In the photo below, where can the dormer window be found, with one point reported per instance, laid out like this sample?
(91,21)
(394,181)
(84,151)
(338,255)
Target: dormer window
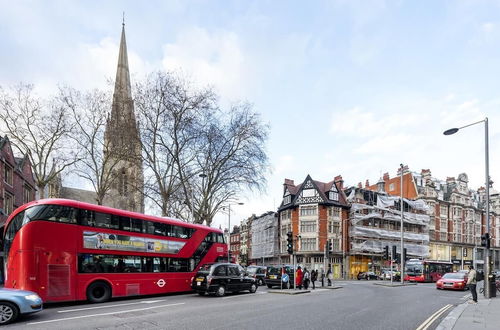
(334,196)
(309,193)
(287,199)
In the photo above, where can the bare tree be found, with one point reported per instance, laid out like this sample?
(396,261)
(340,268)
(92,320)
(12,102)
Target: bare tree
(170,114)
(39,128)
(90,111)
(232,156)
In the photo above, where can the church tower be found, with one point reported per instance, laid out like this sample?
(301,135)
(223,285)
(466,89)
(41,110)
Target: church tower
(123,144)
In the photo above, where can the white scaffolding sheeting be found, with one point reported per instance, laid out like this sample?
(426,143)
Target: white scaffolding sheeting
(264,237)
(376,246)
(366,235)
(369,232)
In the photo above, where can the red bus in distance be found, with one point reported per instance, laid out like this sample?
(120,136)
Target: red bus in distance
(426,270)
(66,250)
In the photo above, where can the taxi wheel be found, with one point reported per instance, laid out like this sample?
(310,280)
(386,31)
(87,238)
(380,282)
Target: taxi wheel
(261,282)
(253,288)
(8,312)
(221,291)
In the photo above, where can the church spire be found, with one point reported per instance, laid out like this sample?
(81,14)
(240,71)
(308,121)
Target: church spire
(122,82)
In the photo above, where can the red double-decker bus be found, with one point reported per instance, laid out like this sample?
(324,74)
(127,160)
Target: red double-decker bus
(67,250)
(426,270)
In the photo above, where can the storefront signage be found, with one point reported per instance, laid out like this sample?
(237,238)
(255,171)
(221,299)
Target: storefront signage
(456,262)
(467,262)
(106,241)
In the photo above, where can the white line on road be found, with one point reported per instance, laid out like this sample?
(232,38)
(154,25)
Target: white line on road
(433,317)
(244,295)
(467,296)
(104,314)
(110,306)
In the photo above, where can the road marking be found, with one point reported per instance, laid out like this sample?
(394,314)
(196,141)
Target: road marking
(104,314)
(433,317)
(467,296)
(110,306)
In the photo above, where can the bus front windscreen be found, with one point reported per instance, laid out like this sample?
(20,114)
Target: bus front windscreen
(414,269)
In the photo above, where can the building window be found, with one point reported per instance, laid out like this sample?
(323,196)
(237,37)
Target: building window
(333,227)
(308,244)
(27,193)
(308,210)
(335,244)
(334,212)
(287,199)
(442,237)
(286,214)
(8,174)
(391,187)
(8,203)
(308,226)
(443,211)
(334,196)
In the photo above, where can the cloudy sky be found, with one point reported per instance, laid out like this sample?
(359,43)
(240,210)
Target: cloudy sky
(351,88)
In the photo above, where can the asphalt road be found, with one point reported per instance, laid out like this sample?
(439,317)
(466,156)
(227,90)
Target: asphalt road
(357,305)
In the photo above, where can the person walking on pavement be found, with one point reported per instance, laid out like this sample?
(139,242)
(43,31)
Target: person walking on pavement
(314,277)
(307,277)
(329,276)
(298,278)
(471,283)
(322,277)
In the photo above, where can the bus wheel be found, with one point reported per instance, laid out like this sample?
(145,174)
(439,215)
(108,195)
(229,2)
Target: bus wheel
(98,292)
(221,291)
(8,312)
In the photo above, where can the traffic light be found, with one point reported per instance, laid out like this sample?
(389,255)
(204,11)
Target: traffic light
(485,240)
(394,252)
(289,243)
(386,252)
(404,255)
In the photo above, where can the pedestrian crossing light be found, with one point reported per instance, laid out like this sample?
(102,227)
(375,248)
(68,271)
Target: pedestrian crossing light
(289,242)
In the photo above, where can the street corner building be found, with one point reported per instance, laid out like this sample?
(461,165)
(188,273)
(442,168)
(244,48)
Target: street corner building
(316,213)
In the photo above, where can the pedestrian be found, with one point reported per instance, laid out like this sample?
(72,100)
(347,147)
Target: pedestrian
(329,276)
(307,278)
(471,283)
(322,277)
(314,277)
(298,278)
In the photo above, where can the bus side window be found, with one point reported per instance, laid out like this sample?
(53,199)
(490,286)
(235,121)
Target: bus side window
(87,218)
(149,227)
(105,220)
(125,223)
(160,229)
(136,225)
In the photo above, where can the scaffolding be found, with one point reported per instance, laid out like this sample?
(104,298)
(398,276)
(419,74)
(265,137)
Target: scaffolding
(376,223)
(264,238)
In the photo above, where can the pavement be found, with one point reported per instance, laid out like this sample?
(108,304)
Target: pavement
(483,315)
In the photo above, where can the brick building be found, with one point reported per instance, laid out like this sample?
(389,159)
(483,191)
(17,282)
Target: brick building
(17,185)
(457,216)
(315,212)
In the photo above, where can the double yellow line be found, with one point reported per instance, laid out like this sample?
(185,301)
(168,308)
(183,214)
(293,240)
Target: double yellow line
(426,324)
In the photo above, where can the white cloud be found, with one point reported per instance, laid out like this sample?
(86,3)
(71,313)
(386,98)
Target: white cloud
(211,58)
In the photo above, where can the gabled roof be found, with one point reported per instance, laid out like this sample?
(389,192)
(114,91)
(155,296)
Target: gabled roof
(321,187)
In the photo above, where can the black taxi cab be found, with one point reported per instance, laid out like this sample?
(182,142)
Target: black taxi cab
(280,276)
(220,278)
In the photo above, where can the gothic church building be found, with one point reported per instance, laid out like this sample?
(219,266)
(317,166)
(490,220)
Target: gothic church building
(122,141)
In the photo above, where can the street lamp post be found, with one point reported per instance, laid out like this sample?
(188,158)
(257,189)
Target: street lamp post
(402,226)
(229,229)
(487,293)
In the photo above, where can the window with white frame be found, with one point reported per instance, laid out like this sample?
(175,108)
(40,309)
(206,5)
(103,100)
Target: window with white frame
(309,193)
(27,193)
(308,226)
(443,211)
(334,212)
(309,210)
(392,187)
(334,196)
(286,214)
(334,227)
(287,199)
(443,236)
(335,244)
(308,244)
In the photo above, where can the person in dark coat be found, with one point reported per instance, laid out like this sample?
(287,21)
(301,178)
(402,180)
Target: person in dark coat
(314,278)
(307,278)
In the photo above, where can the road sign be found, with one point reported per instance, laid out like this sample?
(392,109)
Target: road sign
(284,278)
